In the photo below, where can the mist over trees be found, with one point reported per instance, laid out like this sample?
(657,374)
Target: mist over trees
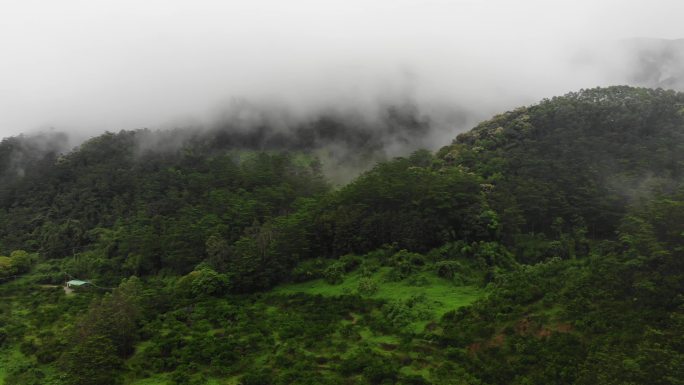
(389,192)
(541,247)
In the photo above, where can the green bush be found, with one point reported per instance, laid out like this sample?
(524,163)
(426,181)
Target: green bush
(22,261)
(447,269)
(6,267)
(334,273)
(404,263)
(308,269)
(400,313)
(350,262)
(369,267)
(367,287)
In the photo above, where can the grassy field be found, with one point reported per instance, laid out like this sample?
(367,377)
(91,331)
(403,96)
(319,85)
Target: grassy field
(441,294)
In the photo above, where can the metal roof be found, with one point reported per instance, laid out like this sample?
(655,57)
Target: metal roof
(77,282)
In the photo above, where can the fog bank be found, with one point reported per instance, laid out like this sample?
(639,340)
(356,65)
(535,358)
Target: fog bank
(88,66)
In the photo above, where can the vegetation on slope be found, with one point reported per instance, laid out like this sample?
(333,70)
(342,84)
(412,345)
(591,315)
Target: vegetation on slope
(543,247)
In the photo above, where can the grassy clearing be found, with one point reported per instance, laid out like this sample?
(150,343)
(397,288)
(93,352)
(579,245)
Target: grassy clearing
(442,294)
(370,337)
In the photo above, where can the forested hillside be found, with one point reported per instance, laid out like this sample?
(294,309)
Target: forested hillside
(544,246)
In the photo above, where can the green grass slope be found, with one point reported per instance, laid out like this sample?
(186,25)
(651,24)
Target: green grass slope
(441,294)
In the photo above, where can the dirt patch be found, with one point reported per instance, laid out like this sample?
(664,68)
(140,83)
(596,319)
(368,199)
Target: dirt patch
(494,342)
(474,347)
(564,328)
(525,326)
(545,332)
(497,340)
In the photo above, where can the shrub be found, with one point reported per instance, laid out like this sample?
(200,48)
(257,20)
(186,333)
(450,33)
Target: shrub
(447,269)
(308,270)
(404,263)
(369,267)
(452,250)
(334,273)
(350,262)
(6,267)
(400,313)
(418,280)
(367,287)
(21,261)
(382,254)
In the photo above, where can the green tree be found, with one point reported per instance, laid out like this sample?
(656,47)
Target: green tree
(6,267)
(91,361)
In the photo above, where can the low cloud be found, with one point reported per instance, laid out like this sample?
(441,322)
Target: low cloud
(440,66)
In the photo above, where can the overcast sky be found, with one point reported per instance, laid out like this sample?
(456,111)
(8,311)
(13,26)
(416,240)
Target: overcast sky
(90,66)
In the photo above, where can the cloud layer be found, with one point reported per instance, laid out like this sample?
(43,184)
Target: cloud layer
(90,66)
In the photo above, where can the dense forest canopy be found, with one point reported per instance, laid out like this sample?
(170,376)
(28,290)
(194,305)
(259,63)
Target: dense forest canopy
(544,246)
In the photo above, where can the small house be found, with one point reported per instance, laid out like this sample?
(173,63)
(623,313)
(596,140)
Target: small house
(74,283)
